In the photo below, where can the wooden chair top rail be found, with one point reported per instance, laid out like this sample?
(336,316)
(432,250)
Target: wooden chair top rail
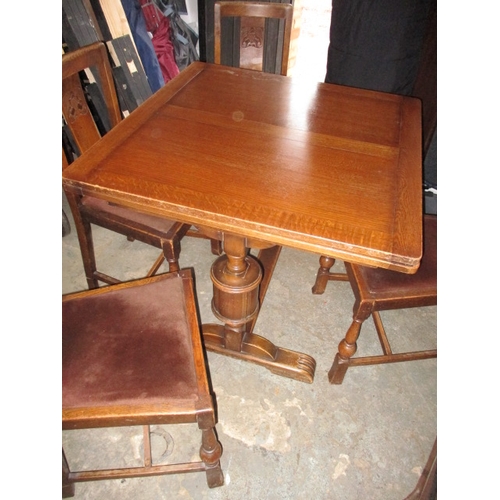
(266,10)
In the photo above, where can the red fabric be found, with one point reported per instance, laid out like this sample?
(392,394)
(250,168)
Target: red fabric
(159,26)
(164,49)
(152,15)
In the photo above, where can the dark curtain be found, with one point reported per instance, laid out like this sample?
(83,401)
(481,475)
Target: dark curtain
(390,46)
(376,44)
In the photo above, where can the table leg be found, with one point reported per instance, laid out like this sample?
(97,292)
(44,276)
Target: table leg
(239,287)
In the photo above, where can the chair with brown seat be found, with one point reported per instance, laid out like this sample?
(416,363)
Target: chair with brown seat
(132,356)
(254,32)
(378,290)
(156,231)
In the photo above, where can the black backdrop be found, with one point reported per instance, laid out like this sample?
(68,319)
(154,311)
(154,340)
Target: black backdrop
(390,46)
(376,44)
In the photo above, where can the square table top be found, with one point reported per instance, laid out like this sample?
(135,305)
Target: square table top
(324,168)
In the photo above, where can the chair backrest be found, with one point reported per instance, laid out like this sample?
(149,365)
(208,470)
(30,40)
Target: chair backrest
(254,37)
(75,109)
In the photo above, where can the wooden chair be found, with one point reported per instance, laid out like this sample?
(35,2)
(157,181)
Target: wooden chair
(252,32)
(156,231)
(378,290)
(426,487)
(132,355)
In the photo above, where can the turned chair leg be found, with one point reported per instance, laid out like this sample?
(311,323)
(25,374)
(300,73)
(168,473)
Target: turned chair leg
(347,348)
(210,453)
(326,263)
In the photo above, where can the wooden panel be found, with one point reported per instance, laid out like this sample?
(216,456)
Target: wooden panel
(125,96)
(124,55)
(81,26)
(101,19)
(116,18)
(99,104)
(79,29)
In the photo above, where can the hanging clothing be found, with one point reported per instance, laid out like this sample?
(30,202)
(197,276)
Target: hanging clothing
(183,36)
(159,26)
(164,49)
(142,40)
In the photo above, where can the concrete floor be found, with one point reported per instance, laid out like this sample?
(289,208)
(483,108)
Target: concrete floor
(365,439)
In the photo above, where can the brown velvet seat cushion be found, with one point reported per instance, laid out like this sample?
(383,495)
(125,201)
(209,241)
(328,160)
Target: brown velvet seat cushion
(382,282)
(127,347)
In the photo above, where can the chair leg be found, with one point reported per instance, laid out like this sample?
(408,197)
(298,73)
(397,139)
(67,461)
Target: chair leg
(216,246)
(68,487)
(338,370)
(382,336)
(172,250)
(326,263)
(158,262)
(84,232)
(347,348)
(210,453)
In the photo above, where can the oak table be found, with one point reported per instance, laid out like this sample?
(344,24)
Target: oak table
(261,161)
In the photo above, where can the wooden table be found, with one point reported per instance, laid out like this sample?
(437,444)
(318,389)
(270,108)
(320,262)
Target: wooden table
(260,161)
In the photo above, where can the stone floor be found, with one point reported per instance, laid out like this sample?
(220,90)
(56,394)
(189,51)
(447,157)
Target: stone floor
(365,439)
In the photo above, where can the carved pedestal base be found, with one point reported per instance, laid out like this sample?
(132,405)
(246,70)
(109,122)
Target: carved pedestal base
(240,282)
